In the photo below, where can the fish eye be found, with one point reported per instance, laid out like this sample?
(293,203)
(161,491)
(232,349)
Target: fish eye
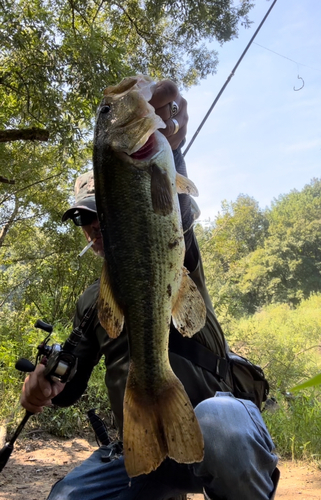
(105,109)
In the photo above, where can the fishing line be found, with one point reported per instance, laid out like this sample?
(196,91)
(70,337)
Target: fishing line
(228,79)
(281,55)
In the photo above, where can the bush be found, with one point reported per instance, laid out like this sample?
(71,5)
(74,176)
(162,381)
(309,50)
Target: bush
(295,426)
(19,338)
(284,341)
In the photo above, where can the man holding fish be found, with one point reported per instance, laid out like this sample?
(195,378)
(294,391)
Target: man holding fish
(151,300)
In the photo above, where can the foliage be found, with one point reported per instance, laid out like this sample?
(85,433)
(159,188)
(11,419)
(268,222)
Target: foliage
(57,56)
(295,426)
(65,422)
(283,340)
(312,382)
(255,257)
(262,266)
(56,59)
(71,421)
(237,231)
(286,342)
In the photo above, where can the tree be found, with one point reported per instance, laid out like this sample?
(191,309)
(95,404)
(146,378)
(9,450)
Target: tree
(287,269)
(58,56)
(253,258)
(237,231)
(56,59)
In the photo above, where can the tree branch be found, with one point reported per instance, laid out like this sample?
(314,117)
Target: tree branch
(26,134)
(6,227)
(28,186)
(15,287)
(98,9)
(7,181)
(143,34)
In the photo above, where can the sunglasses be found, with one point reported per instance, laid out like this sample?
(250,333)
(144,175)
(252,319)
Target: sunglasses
(83,217)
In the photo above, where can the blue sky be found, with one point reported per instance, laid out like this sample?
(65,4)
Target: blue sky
(263,138)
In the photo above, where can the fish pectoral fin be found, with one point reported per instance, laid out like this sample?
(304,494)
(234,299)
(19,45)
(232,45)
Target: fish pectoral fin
(185,185)
(165,427)
(110,315)
(161,191)
(189,311)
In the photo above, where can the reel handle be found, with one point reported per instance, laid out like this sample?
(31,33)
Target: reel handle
(24,365)
(44,326)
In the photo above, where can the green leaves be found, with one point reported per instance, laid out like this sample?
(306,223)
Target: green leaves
(254,258)
(56,59)
(313,382)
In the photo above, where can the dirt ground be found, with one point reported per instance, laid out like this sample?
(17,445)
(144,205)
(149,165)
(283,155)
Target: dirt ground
(40,460)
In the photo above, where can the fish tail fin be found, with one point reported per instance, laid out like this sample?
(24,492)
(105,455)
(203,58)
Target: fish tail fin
(165,427)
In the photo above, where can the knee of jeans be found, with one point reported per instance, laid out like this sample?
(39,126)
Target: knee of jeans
(220,420)
(225,441)
(63,490)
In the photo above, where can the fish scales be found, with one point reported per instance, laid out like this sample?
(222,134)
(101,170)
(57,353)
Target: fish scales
(140,262)
(143,281)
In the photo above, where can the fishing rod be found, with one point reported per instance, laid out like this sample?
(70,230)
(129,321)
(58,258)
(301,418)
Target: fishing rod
(228,79)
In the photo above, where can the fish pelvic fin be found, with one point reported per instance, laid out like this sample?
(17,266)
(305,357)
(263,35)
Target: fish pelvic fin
(110,315)
(189,311)
(161,191)
(185,185)
(166,427)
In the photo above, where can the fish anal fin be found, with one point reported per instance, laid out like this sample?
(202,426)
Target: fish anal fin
(165,427)
(110,315)
(161,191)
(185,185)
(189,311)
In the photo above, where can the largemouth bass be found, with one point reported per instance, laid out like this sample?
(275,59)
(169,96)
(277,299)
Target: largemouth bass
(144,283)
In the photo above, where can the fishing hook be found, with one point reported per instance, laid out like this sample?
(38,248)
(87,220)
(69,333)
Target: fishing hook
(299,77)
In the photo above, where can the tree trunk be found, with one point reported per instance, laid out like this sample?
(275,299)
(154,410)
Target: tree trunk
(7,225)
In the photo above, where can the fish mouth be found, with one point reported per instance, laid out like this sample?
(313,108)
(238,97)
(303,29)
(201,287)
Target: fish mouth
(146,150)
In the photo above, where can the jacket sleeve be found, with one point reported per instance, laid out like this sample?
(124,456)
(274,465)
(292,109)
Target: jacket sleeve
(88,355)
(191,255)
(78,384)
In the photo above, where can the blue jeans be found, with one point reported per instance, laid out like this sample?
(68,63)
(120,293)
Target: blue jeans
(237,465)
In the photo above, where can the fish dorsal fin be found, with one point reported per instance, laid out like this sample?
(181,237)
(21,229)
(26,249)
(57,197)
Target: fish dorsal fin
(161,191)
(185,185)
(110,315)
(189,312)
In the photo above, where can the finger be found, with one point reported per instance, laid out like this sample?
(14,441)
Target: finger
(33,395)
(57,387)
(45,387)
(164,92)
(34,405)
(165,112)
(30,407)
(36,391)
(169,132)
(37,384)
(31,402)
(176,140)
